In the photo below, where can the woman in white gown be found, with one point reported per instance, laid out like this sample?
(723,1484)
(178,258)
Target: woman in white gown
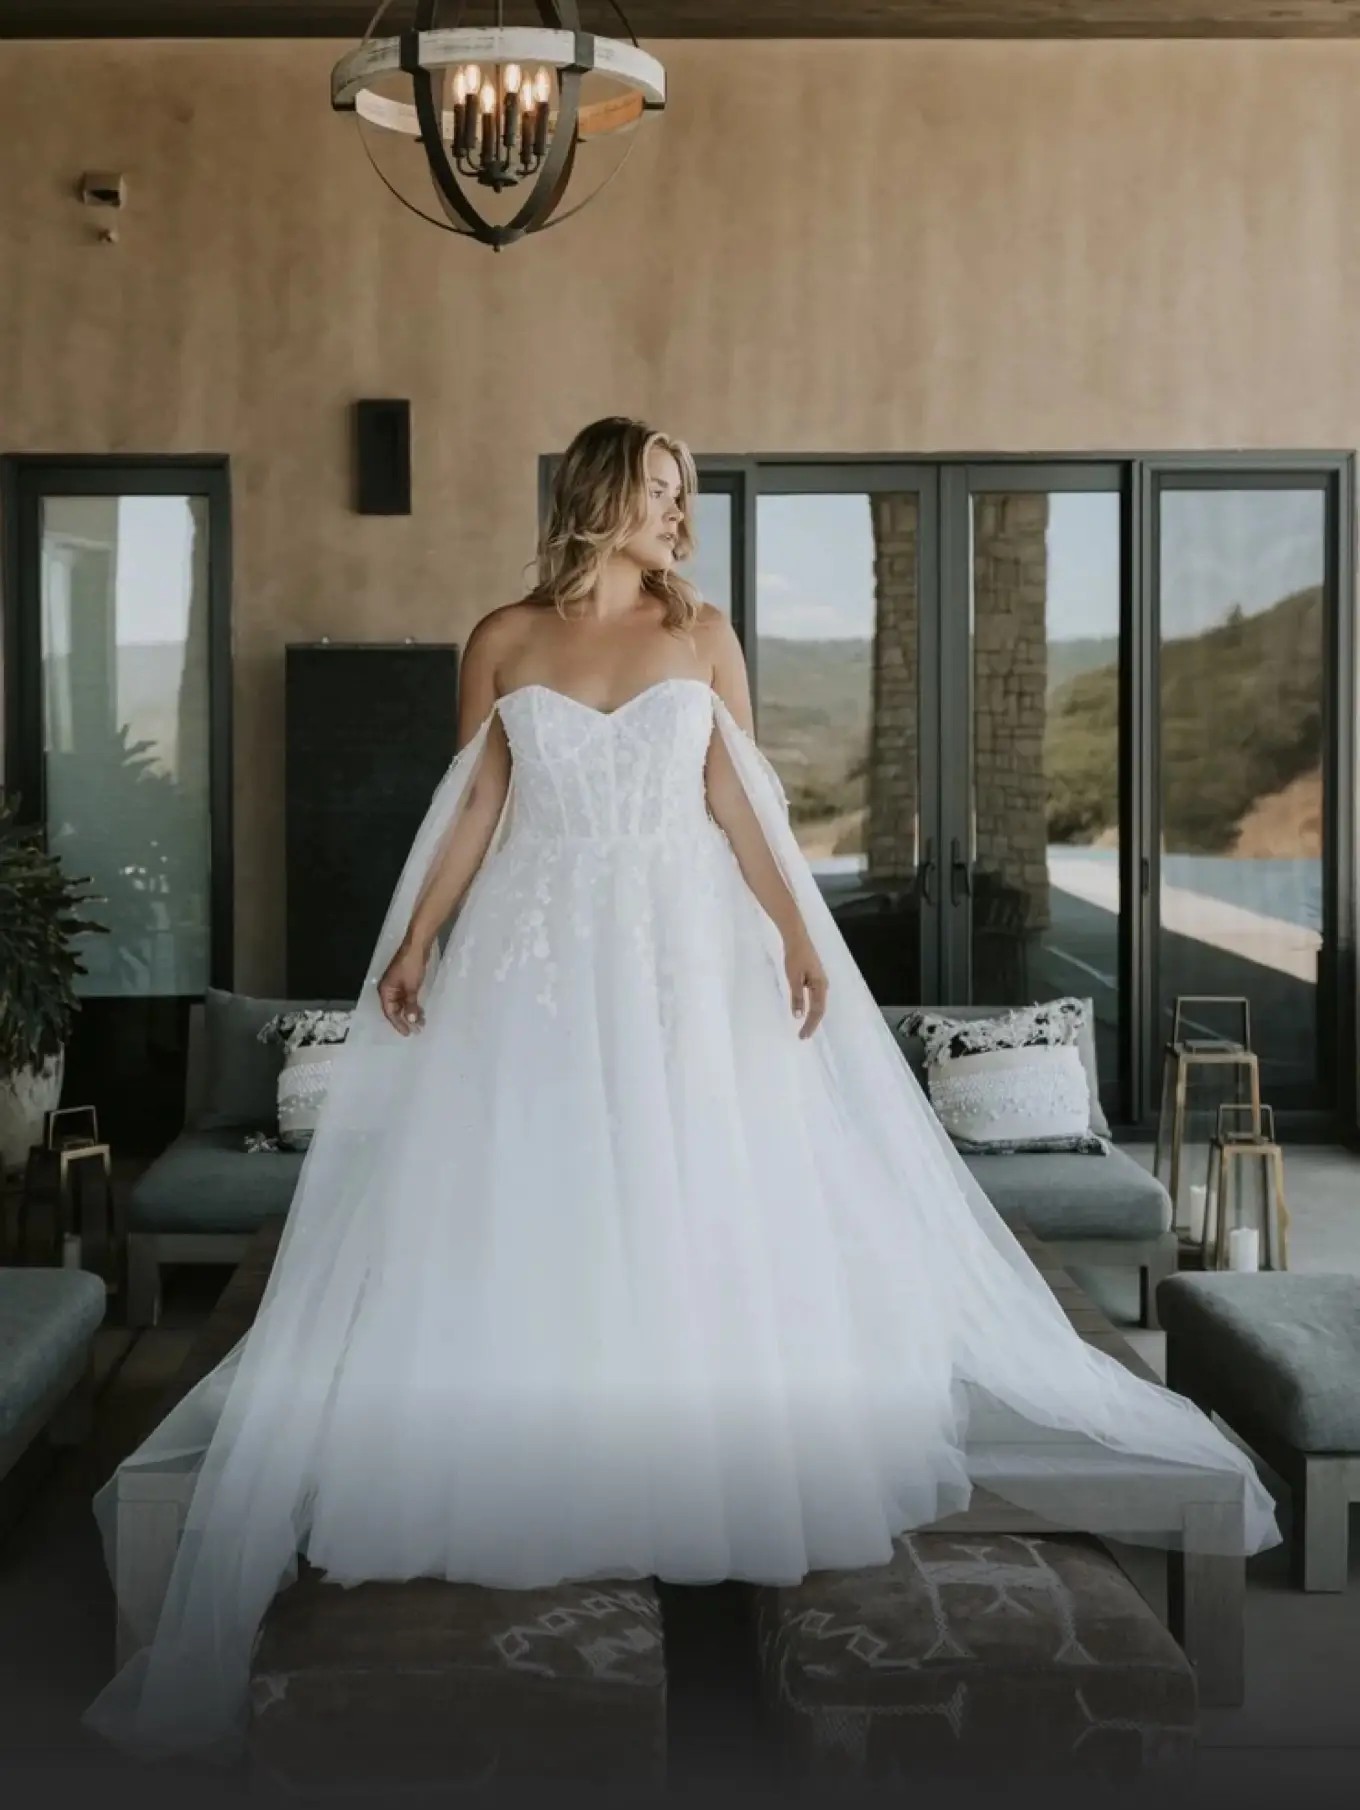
(627,1243)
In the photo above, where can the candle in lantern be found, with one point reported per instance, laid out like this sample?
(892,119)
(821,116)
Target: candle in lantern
(1244,1248)
(1199,1200)
(488,121)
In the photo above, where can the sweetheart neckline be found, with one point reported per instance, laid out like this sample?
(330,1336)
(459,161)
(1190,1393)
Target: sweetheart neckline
(594,709)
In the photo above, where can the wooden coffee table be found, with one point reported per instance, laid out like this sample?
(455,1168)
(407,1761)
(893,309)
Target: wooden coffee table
(1199,1595)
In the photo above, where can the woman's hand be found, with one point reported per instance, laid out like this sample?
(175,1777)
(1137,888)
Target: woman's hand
(807,981)
(399,988)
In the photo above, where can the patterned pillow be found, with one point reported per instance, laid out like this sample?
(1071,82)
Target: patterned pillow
(1012,1083)
(1055,1021)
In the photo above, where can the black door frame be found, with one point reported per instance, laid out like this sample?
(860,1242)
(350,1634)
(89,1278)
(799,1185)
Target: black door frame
(24,481)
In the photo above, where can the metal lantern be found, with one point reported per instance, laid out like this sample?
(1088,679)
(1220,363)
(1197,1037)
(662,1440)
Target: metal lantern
(500,108)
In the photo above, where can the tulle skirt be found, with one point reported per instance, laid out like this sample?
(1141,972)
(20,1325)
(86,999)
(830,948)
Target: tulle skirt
(640,1303)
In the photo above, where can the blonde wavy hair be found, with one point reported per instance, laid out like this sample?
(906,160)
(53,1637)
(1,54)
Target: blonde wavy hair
(599,502)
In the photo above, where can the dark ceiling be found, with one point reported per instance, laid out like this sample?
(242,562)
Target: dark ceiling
(710,18)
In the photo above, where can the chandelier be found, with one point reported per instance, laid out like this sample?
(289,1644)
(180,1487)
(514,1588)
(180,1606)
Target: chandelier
(498,109)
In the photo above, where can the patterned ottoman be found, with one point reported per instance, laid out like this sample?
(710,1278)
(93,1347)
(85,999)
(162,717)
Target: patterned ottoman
(970,1656)
(432,1683)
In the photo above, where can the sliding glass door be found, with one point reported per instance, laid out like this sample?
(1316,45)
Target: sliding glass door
(1068,727)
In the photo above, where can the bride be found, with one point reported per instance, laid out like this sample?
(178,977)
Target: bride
(627,1243)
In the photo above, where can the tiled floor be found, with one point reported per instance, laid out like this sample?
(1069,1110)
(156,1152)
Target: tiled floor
(1298,1732)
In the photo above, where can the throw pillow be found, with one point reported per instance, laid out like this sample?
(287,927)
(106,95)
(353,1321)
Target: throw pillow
(1020,1099)
(310,1039)
(303,1080)
(1052,1024)
(241,1074)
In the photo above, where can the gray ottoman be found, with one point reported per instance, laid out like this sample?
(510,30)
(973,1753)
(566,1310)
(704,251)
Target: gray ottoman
(1277,1355)
(431,1684)
(972,1657)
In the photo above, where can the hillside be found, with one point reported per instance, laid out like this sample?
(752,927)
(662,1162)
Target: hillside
(1083,653)
(814,721)
(1241,722)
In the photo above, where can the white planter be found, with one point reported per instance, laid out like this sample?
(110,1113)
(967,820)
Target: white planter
(302,1088)
(24,1098)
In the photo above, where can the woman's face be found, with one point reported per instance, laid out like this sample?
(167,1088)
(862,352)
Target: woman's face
(653,546)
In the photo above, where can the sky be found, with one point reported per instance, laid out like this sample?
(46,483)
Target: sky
(815,559)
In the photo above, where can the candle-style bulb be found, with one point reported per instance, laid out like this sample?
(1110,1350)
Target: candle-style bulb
(514,78)
(488,97)
(459,86)
(473,77)
(542,87)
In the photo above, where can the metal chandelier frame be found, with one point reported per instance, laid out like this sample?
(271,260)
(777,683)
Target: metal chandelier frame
(428,51)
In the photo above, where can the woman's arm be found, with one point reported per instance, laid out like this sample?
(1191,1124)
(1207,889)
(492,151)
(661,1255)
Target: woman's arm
(481,806)
(735,816)
(485,797)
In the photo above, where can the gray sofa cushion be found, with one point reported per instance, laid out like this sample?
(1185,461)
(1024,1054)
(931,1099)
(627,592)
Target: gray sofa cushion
(241,1074)
(46,1316)
(914,1051)
(1066,1196)
(207,1181)
(1282,1348)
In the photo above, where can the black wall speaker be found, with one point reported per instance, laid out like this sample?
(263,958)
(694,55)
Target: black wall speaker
(382,457)
(370,731)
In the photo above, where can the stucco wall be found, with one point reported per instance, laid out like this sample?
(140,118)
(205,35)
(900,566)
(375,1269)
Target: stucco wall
(840,248)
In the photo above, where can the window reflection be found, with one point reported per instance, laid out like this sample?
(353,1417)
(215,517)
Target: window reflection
(125,693)
(1242,636)
(1045,716)
(837,609)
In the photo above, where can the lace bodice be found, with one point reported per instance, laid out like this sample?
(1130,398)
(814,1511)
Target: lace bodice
(595,775)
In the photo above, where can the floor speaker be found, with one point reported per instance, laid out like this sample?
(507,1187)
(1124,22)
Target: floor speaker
(369,732)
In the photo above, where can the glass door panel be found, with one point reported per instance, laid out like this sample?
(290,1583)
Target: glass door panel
(1042,868)
(119,744)
(711,568)
(124,650)
(1242,578)
(837,691)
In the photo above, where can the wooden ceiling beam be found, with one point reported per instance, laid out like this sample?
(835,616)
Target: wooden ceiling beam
(731,19)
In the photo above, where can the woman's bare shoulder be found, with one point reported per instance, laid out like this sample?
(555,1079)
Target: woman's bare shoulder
(714,636)
(502,632)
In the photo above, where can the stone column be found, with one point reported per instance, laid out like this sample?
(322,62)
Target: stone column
(894,749)
(1010,694)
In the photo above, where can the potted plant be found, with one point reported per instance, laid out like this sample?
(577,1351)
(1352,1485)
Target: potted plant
(308,1038)
(39,922)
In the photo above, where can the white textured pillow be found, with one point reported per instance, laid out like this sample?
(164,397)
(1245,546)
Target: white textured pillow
(1012,1096)
(303,1081)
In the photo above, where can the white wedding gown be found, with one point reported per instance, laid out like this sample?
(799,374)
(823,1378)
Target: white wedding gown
(605,1272)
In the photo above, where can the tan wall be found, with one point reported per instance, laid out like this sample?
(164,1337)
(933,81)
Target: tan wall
(832,248)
